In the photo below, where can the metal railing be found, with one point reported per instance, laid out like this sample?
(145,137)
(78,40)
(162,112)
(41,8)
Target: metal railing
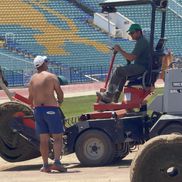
(73,75)
(175,7)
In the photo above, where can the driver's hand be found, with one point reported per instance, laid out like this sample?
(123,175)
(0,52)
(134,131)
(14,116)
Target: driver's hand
(117,48)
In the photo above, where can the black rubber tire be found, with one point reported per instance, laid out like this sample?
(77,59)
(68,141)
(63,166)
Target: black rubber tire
(13,147)
(172,128)
(94,148)
(159,159)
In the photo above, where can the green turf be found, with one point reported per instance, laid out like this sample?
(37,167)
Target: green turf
(79,105)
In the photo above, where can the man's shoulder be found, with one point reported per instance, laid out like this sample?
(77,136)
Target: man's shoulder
(51,74)
(142,38)
(34,75)
(43,74)
(143,41)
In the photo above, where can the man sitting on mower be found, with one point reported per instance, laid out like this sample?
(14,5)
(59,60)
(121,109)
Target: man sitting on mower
(140,57)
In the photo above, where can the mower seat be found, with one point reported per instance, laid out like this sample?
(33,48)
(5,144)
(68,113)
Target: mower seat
(137,80)
(145,79)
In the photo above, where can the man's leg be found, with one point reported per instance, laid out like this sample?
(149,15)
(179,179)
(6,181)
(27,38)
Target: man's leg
(114,82)
(57,146)
(58,143)
(119,90)
(119,79)
(127,71)
(56,128)
(44,150)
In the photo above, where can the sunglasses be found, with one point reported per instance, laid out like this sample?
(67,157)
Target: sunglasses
(46,60)
(131,33)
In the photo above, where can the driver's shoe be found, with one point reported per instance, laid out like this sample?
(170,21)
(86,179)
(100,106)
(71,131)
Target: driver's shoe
(103,97)
(116,97)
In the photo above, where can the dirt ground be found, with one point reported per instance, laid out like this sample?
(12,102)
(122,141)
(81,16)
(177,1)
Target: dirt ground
(29,171)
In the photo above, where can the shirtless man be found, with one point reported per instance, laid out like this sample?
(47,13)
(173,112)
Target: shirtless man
(48,118)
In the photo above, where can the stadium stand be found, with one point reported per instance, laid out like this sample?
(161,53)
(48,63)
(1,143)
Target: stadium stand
(63,31)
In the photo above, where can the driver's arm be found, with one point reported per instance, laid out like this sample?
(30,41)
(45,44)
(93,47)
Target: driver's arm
(130,57)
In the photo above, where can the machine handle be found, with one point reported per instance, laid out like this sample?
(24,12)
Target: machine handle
(110,69)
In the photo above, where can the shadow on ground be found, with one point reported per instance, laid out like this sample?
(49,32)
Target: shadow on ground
(34,168)
(120,164)
(125,163)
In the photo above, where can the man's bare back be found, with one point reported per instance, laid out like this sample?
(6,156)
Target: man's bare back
(42,87)
(49,120)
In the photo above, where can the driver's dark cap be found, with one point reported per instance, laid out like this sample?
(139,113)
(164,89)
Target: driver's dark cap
(133,28)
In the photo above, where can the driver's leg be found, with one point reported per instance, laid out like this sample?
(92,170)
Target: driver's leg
(118,81)
(118,92)
(130,70)
(121,82)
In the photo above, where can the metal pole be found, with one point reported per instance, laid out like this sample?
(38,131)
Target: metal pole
(152,28)
(163,23)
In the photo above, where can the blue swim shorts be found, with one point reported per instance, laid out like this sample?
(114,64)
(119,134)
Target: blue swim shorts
(48,119)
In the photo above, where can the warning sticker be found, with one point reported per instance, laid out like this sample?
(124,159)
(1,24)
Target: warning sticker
(172,91)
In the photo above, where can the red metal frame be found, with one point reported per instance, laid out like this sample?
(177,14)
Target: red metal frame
(137,99)
(22,99)
(103,115)
(29,122)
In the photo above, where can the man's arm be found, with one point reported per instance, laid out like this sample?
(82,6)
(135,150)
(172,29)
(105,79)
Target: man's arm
(128,56)
(59,92)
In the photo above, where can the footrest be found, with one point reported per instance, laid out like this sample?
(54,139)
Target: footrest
(115,106)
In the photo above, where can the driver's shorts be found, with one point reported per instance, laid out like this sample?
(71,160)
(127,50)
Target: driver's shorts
(49,120)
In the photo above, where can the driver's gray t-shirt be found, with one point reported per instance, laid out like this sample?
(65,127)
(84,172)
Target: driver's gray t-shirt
(142,51)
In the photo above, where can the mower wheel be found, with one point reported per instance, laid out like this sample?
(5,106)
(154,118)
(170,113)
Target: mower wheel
(159,159)
(14,147)
(94,148)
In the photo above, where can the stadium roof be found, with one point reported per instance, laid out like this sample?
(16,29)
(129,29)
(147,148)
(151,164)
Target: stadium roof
(125,2)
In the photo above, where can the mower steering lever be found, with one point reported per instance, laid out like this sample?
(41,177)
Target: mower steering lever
(112,49)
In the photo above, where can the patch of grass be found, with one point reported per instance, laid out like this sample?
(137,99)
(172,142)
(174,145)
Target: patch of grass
(79,105)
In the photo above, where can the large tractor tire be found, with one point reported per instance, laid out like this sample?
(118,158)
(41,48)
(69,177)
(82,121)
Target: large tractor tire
(94,148)
(13,146)
(159,159)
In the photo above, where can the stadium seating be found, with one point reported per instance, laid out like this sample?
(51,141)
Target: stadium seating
(62,31)
(179,1)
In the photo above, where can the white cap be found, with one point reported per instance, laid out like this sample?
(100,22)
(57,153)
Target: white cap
(39,60)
